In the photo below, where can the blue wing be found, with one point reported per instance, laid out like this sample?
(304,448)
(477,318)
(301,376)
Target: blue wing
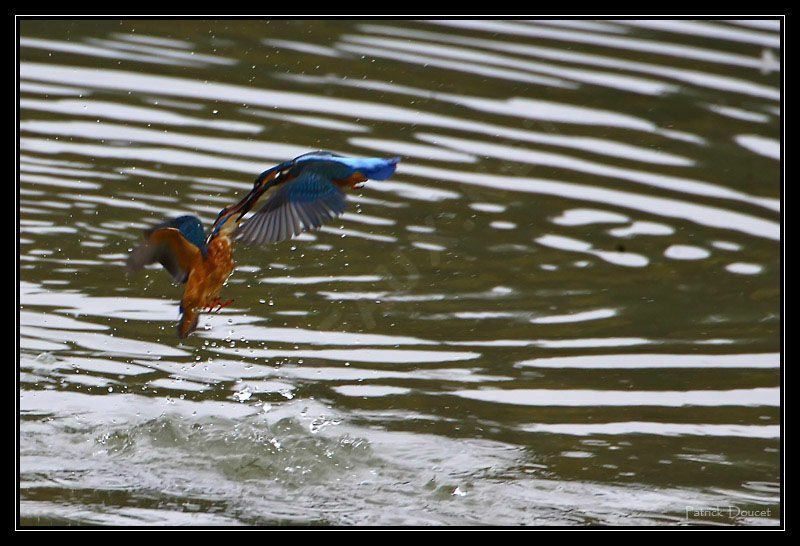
(175,244)
(190,227)
(306,202)
(340,167)
(311,197)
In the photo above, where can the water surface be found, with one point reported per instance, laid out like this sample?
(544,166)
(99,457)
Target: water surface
(563,309)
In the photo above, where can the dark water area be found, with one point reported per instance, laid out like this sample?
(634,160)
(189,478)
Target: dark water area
(563,309)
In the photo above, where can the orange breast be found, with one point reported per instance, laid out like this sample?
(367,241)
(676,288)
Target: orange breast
(350,181)
(206,279)
(205,282)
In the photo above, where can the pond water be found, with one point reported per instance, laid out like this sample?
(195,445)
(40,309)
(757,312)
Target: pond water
(563,309)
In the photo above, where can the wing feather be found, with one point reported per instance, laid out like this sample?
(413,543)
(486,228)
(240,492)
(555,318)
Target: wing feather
(168,247)
(306,202)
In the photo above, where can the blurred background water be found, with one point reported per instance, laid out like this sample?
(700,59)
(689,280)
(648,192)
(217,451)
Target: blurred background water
(564,308)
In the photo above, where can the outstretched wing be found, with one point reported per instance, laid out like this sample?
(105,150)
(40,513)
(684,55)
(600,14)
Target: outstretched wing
(168,245)
(305,202)
(312,195)
(342,168)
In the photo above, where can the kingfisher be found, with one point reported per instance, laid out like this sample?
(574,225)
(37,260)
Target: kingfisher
(298,195)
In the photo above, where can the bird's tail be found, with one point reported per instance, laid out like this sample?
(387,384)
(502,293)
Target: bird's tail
(376,168)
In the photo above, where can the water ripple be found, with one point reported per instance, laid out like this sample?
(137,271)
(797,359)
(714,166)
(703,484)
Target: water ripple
(564,308)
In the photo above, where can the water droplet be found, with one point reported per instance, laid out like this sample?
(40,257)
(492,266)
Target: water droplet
(242,395)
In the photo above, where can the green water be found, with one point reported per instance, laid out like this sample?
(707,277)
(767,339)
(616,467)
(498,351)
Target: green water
(563,309)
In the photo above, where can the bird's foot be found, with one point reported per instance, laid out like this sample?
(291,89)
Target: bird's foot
(219,306)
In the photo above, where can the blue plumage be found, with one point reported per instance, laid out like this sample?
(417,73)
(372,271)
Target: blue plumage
(304,193)
(374,168)
(190,227)
(305,202)
(309,193)
(159,250)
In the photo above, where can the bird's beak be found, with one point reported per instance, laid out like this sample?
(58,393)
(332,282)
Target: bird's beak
(246,205)
(259,187)
(262,183)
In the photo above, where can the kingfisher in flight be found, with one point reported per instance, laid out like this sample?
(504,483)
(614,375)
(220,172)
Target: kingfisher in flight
(298,195)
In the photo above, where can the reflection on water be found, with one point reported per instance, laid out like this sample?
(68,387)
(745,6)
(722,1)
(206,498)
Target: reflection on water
(563,309)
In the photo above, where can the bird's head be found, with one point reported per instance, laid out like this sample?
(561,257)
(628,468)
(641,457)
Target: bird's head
(266,180)
(235,212)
